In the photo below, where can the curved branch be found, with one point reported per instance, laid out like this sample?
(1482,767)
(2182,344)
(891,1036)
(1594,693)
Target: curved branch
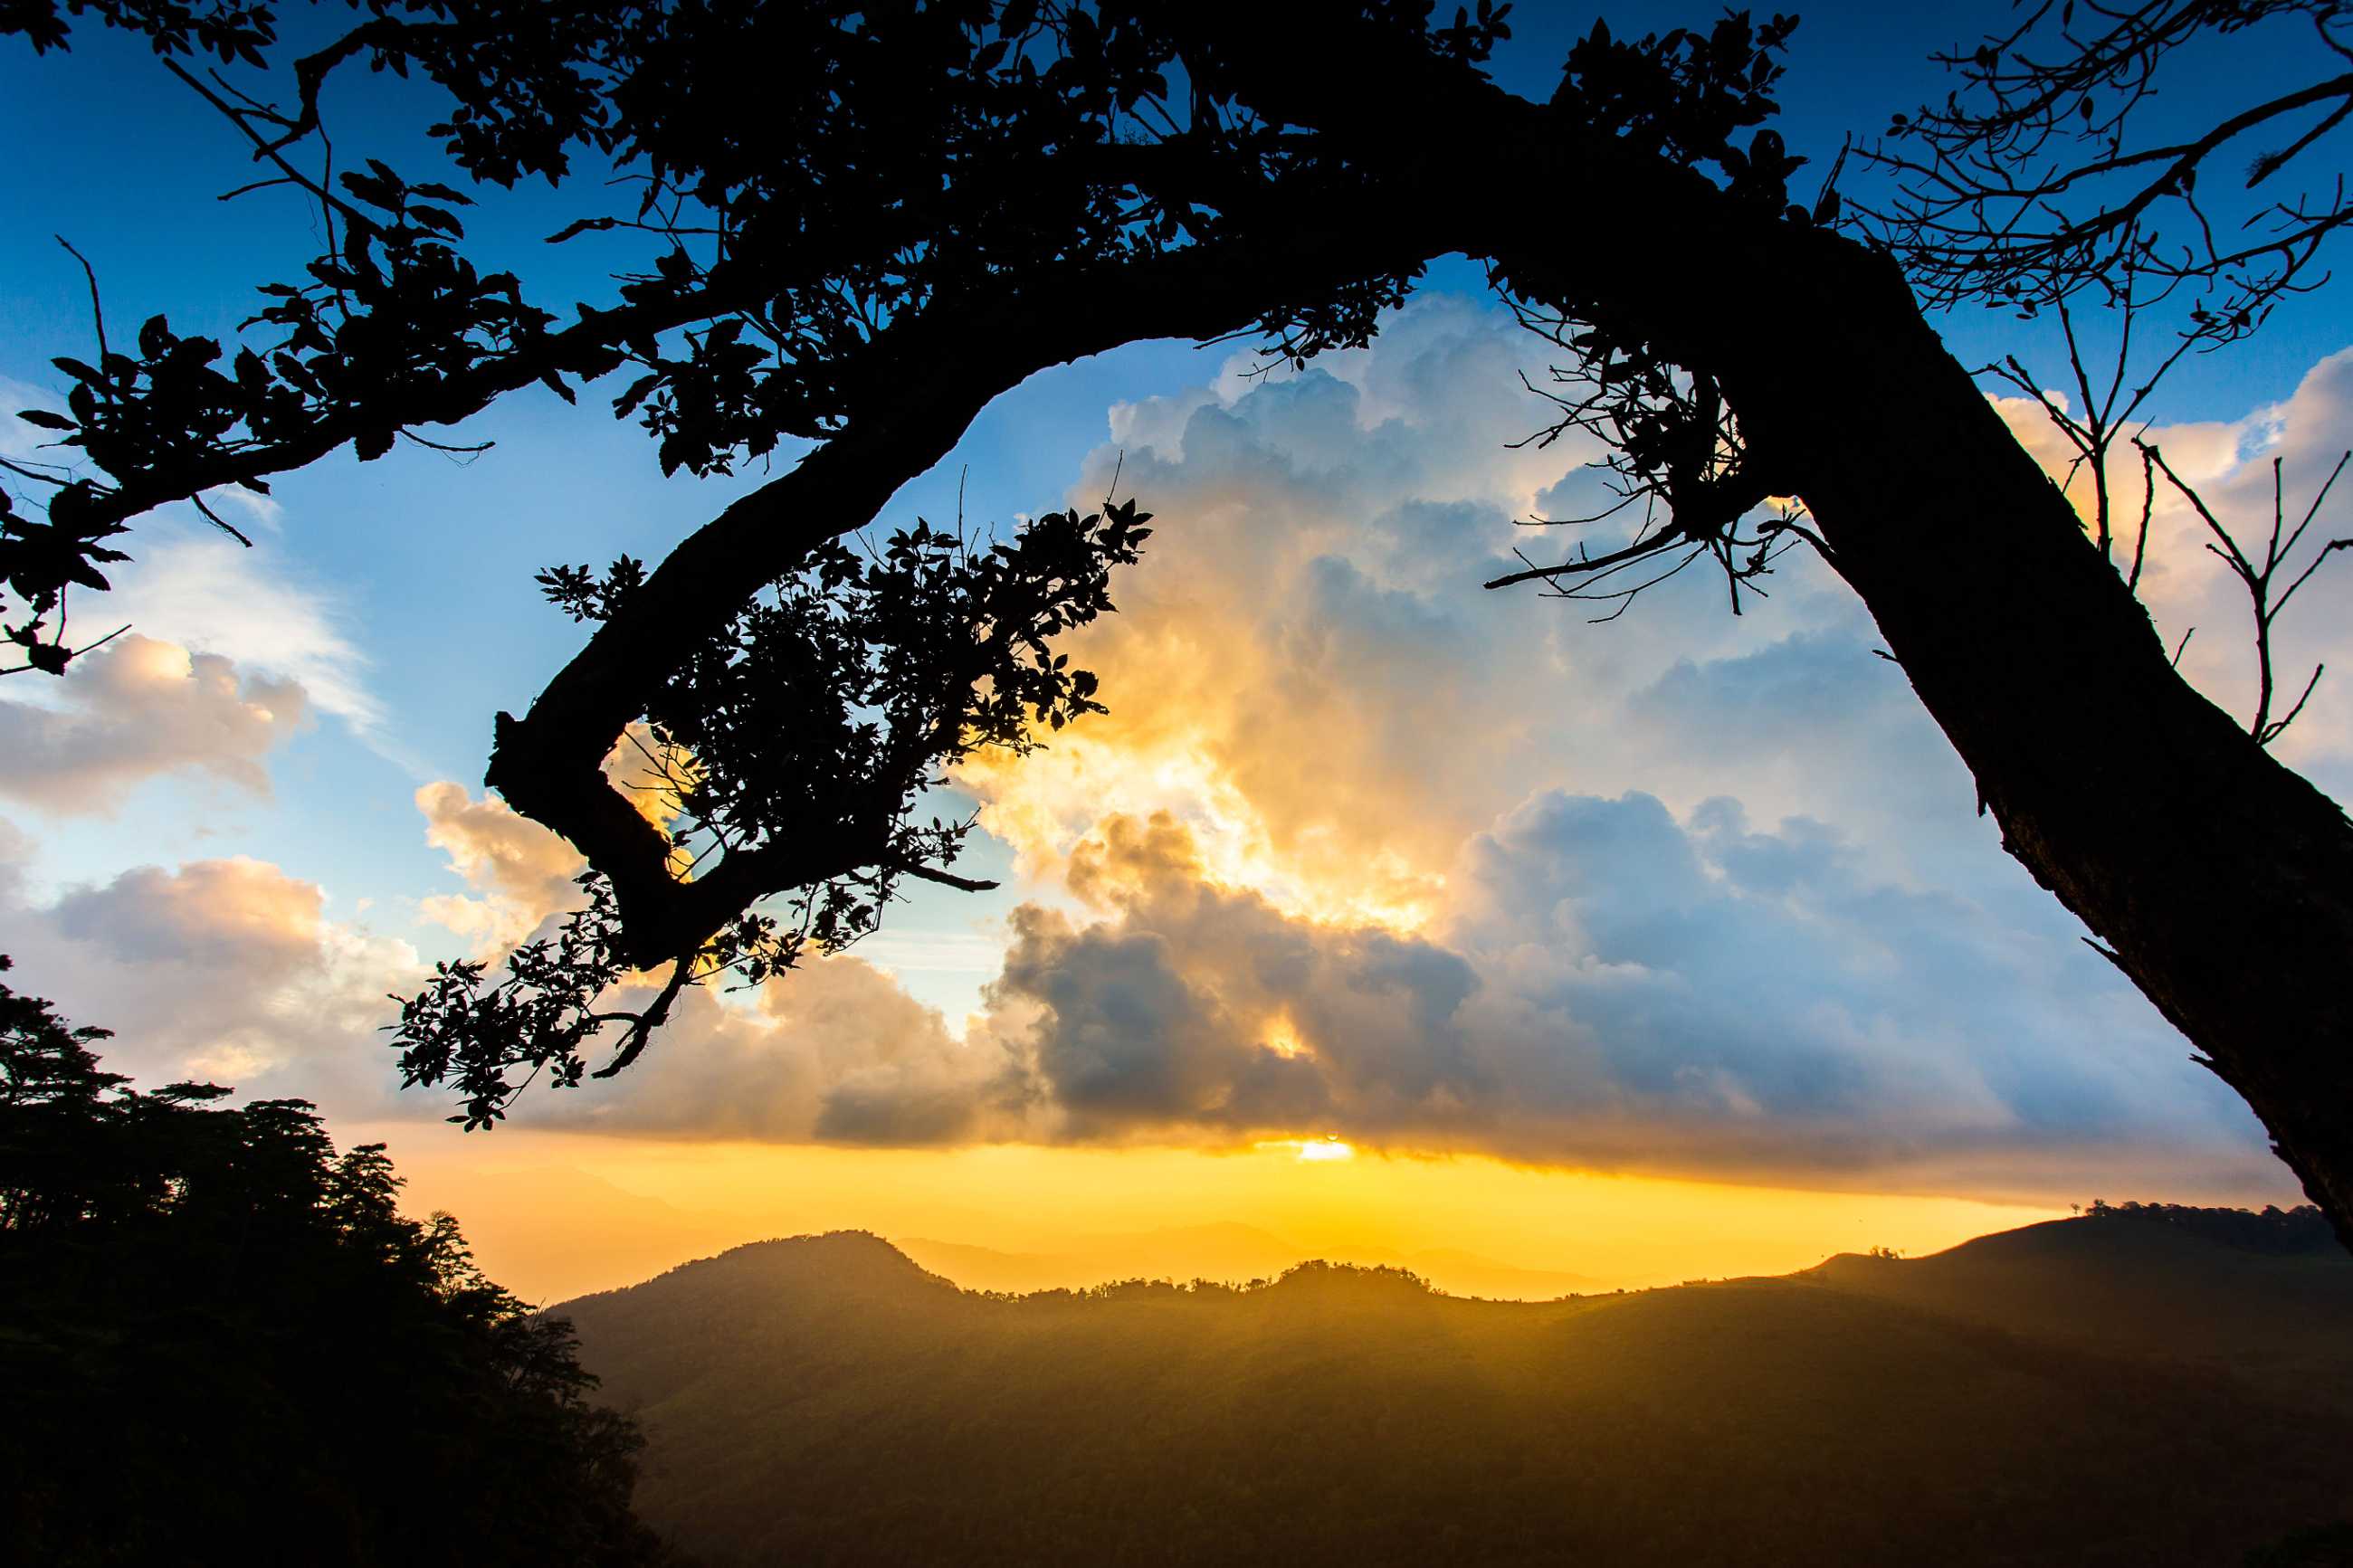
(933,375)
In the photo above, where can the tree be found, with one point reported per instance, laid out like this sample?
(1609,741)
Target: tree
(864,222)
(223,1341)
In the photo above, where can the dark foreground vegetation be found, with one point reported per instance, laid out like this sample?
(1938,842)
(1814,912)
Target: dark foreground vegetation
(2144,1386)
(221,1343)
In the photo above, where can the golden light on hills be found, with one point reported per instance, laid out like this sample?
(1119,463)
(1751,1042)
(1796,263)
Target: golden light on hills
(556,1215)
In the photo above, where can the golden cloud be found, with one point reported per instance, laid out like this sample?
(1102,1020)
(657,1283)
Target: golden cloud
(138,708)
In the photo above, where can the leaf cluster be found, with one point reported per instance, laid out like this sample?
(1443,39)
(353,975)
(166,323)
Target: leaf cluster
(1682,95)
(829,700)
(1674,451)
(812,183)
(232,30)
(797,739)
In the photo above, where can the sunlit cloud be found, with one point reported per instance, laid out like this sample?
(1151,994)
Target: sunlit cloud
(2195,603)
(1308,691)
(1365,863)
(521,874)
(1363,859)
(137,708)
(211,595)
(191,586)
(227,970)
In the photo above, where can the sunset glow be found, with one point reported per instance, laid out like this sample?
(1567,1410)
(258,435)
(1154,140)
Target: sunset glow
(560,1213)
(1032,784)
(1379,914)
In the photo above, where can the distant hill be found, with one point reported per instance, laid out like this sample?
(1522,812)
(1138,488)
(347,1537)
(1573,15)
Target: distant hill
(2270,1304)
(1231,1254)
(559,1231)
(825,1400)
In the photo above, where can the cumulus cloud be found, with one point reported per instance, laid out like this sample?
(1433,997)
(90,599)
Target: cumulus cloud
(1362,849)
(138,708)
(227,970)
(834,1053)
(1359,747)
(2189,590)
(232,970)
(521,872)
(1307,673)
(1614,987)
(205,591)
(190,584)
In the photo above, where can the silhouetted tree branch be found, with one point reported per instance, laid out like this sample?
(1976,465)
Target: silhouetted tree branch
(2033,183)
(863,224)
(2262,578)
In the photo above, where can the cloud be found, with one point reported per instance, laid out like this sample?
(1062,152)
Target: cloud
(522,872)
(1376,767)
(1614,987)
(189,584)
(230,970)
(227,970)
(2190,592)
(207,593)
(834,1053)
(1306,672)
(138,708)
(1362,849)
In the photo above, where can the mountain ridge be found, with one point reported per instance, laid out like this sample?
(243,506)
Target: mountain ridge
(827,1399)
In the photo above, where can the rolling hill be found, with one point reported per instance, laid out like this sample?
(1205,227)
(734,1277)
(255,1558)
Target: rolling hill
(2030,1399)
(1234,1254)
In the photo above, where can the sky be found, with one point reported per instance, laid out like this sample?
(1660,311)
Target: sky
(1380,915)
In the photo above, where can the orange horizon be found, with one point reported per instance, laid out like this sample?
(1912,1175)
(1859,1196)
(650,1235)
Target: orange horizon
(553,1216)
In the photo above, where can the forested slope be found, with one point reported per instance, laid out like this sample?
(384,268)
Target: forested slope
(824,1400)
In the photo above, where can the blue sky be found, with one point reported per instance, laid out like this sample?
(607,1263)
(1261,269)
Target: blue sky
(399,596)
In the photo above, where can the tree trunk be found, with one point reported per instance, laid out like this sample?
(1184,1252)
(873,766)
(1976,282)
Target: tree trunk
(2221,881)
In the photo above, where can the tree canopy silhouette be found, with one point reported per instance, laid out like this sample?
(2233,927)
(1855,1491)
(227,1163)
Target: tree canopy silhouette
(862,223)
(222,1341)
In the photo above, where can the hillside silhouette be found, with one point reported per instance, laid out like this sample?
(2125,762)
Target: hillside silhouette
(1219,1251)
(2061,1394)
(222,1341)
(2266,1298)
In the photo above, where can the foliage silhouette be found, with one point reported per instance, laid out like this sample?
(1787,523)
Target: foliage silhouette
(795,744)
(223,1342)
(862,223)
(2272,1231)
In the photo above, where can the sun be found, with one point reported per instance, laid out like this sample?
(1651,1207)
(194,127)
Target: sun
(1322,1150)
